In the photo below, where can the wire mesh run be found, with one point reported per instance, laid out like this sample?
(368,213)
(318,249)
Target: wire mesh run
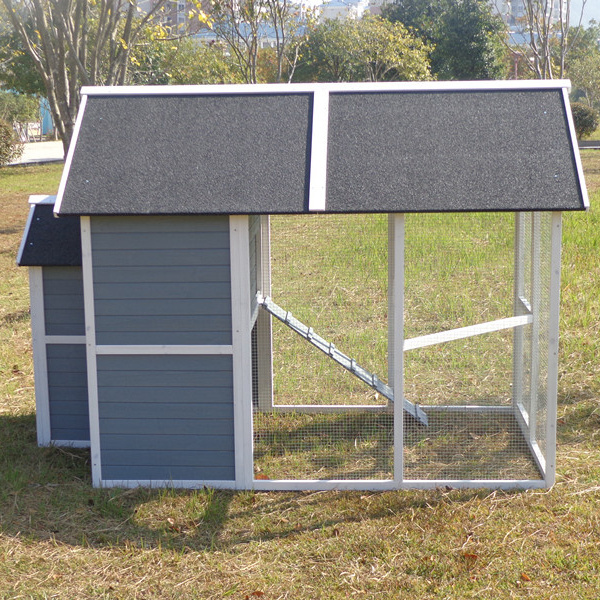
(476,316)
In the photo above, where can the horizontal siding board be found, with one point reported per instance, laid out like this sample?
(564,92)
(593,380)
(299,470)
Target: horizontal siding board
(68,394)
(133,473)
(162,290)
(165,364)
(180,306)
(151,378)
(62,274)
(72,364)
(65,351)
(165,410)
(74,435)
(170,224)
(63,287)
(144,240)
(158,394)
(167,257)
(65,329)
(62,407)
(172,338)
(162,426)
(167,442)
(152,323)
(68,423)
(161,458)
(78,380)
(63,302)
(167,274)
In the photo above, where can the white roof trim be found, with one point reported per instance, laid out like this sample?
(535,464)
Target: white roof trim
(69,157)
(302,88)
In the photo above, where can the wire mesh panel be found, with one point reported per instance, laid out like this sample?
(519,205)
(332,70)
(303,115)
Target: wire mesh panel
(324,292)
(460,274)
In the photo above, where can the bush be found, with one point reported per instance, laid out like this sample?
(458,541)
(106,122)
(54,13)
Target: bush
(10,146)
(586,119)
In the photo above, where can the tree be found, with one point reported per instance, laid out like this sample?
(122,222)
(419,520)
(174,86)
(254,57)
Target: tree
(546,24)
(466,35)
(78,42)
(585,75)
(10,147)
(17,70)
(19,108)
(371,49)
(243,24)
(586,119)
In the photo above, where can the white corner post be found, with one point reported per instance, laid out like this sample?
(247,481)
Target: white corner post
(536,300)
(264,324)
(90,348)
(40,362)
(241,323)
(396,336)
(518,308)
(553,337)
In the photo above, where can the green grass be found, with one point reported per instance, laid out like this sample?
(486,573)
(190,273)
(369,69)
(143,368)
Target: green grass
(60,538)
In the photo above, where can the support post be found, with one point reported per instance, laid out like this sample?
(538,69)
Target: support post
(553,336)
(519,292)
(536,296)
(396,335)
(264,325)
(242,349)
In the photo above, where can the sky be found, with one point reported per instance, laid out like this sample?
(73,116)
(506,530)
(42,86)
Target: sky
(592,11)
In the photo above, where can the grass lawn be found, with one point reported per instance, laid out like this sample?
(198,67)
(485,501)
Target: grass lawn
(60,538)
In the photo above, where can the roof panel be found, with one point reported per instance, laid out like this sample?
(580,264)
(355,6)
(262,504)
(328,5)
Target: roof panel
(407,147)
(49,240)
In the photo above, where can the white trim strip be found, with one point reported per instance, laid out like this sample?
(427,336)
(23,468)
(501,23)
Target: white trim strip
(189,484)
(40,363)
(304,88)
(71,443)
(133,350)
(70,153)
(318,151)
(553,337)
(465,332)
(239,243)
(90,328)
(323,484)
(65,339)
(522,419)
(575,145)
(330,408)
(493,484)
(42,199)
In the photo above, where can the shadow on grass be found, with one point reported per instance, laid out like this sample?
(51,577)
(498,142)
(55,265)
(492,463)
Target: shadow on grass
(46,495)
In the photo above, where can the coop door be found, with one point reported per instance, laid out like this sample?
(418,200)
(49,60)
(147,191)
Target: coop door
(321,403)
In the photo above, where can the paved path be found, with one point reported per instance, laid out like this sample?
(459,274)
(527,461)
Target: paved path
(40,152)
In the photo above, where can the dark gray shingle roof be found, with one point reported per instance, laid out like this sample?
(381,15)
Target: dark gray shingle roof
(464,146)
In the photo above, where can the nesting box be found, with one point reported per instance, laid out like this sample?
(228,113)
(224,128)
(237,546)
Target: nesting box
(320,286)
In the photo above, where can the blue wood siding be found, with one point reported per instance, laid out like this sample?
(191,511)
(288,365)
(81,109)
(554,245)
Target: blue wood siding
(63,301)
(68,393)
(162,280)
(166,417)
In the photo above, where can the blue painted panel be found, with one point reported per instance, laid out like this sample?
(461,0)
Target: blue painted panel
(68,394)
(63,300)
(186,300)
(166,417)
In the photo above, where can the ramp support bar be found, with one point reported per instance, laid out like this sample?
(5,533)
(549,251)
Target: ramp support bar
(342,359)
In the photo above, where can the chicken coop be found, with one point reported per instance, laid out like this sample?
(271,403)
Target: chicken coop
(350,286)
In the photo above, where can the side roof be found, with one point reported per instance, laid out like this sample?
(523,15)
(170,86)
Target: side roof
(342,148)
(48,240)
